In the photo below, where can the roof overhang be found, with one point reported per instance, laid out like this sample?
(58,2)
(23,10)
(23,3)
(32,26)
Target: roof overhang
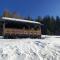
(20,20)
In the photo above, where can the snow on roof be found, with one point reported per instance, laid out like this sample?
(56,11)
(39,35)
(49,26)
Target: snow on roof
(20,20)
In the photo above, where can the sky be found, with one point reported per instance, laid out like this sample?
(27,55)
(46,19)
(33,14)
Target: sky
(31,8)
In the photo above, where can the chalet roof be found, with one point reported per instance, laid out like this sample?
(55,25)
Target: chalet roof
(20,20)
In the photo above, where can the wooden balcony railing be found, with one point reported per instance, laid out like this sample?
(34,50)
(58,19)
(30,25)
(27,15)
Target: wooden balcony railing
(21,31)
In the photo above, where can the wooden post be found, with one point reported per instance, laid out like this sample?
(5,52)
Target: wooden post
(40,31)
(4,29)
(29,31)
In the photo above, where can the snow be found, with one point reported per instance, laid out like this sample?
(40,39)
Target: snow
(30,49)
(21,20)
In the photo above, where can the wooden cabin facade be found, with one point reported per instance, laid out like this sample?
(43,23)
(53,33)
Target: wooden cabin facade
(19,28)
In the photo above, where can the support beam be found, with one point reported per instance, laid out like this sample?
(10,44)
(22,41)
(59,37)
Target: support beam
(4,28)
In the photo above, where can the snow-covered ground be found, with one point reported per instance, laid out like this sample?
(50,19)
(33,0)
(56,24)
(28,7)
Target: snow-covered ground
(47,48)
